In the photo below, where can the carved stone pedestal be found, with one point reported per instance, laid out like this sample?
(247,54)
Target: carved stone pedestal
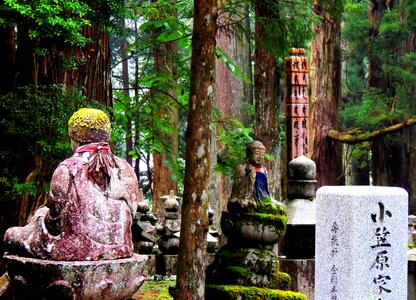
(32,278)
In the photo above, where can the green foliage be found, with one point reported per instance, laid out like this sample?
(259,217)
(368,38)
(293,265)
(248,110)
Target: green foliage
(60,21)
(235,138)
(371,113)
(34,124)
(287,24)
(13,188)
(335,8)
(361,155)
(389,47)
(50,19)
(228,62)
(156,92)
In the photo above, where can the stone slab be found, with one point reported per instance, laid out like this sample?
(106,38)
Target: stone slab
(361,243)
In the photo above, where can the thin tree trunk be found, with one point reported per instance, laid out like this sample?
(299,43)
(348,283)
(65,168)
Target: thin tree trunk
(164,55)
(194,227)
(267,100)
(126,90)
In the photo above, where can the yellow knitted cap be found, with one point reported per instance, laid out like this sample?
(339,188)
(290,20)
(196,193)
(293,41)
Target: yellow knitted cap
(89,125)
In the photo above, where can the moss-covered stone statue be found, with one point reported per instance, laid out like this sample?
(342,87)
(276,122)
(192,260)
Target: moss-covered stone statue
(250,180)
(80,244)
(246,267)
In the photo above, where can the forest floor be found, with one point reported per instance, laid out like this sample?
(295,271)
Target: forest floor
(154,290)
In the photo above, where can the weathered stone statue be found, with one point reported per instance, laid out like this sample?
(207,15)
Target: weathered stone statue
(246,267)
(250,180)
(93,198)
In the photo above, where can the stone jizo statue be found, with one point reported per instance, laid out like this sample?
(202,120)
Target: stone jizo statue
(250,180)
(93,198)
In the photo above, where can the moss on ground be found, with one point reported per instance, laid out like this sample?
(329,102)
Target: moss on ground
(154,290)
(234,292)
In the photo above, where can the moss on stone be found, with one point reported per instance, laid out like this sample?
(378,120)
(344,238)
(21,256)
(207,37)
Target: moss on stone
(234,292)
(282,280)
(90,118)
(267,207)
(238,271)
(237,256)
(278,221)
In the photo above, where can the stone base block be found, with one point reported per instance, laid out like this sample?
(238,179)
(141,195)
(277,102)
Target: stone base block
(150,268)
(32,278)
(167,265)
(361,243)
(302,274)
(298,242)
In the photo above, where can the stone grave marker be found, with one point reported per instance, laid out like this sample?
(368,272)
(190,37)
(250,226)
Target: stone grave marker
(361,243)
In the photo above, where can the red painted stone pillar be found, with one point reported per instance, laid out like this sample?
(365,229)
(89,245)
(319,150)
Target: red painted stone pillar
(296,104)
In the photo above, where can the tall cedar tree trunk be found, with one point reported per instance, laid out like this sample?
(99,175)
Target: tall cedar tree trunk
(325,96)
(266,98)
(126,90)
(380,166)
(231,93)
(194,227)
(162,175)
(393,159)
(91,74)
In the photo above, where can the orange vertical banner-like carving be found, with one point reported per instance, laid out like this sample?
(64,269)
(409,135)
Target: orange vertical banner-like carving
(296,104)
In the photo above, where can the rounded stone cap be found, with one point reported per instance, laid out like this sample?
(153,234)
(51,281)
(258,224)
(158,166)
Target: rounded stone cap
(89,125)
(171,202)
(302,168)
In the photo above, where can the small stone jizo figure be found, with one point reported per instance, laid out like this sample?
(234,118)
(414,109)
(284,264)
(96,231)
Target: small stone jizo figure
(250,180)
(93,198)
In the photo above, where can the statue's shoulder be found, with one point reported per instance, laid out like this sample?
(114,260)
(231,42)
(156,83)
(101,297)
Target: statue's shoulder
(124,166)
(122,163)
(70,165)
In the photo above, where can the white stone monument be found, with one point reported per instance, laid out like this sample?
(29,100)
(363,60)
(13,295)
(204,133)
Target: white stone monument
(361,243)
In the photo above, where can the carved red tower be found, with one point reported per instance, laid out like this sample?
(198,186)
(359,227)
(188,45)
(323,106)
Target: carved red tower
(296,104)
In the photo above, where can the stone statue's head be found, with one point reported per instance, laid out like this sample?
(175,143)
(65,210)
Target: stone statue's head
(255,153)
(89,125)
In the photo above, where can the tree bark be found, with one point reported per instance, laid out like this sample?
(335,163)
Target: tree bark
(163,182)
(194,227)
(353,138)
(267,100)
(231,93)
(126,90)
(325,95)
